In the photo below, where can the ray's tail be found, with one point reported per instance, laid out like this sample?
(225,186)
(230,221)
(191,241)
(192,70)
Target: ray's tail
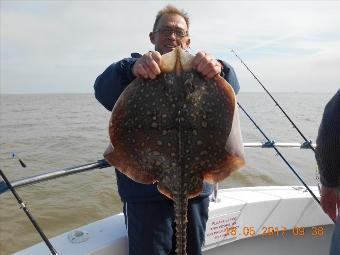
(181,210)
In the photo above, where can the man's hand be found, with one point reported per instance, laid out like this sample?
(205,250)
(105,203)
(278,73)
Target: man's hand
(147,66)
(206,65)
(330,201)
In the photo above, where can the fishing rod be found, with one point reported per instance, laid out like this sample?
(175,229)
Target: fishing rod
(14,155)
(54,174)
(283,158)
(29,215)
(308,142)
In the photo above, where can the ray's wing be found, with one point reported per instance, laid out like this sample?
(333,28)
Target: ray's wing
(234,158)
(142,131)
(126,137)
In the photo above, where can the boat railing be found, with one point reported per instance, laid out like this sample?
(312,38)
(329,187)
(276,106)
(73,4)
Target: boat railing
(100,164)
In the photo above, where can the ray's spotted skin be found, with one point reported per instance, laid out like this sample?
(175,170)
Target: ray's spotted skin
(177,130)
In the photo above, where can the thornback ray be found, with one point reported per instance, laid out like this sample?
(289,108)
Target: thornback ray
(177,130)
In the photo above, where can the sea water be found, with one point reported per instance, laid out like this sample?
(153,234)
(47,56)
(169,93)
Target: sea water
(56,131)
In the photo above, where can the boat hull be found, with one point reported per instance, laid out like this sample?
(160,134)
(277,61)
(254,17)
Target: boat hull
(253,220)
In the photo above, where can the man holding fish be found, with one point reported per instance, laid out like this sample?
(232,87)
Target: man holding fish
(149,214)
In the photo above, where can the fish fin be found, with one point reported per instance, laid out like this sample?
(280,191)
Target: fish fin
(177,61)
(127,165)
(234,158)
(165,191)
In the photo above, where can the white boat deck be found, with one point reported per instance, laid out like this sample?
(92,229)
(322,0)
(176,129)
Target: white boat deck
(254,220)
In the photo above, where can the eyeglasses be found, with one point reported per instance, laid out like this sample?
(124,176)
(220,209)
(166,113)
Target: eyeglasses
(168,31)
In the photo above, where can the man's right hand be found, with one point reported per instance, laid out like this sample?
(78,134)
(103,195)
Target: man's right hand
(330,201)
(147,66)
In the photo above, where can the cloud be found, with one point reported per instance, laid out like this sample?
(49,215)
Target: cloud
(62,46)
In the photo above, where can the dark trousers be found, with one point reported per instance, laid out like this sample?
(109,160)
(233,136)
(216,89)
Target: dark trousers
(151,226)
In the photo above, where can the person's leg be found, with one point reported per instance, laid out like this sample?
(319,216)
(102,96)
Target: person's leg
(197,219)
(149,227)
(335,244)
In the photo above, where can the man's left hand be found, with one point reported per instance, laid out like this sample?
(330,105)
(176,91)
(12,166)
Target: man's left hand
(206,65)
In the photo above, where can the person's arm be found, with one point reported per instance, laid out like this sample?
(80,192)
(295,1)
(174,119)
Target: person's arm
(229,75)
(111,83)
(327,154)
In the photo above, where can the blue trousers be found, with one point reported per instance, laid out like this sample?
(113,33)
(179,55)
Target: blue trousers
(335,244)
(150,226)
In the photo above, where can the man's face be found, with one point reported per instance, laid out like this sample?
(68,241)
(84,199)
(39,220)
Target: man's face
(168,33)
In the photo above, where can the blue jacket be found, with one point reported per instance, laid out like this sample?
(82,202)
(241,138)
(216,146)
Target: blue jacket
(108,87)
(327,151)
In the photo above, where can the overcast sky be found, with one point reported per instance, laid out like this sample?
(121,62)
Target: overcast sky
(62,46)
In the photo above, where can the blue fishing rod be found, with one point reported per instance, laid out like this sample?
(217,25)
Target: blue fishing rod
(28,213)
(272,143)
(307,142)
